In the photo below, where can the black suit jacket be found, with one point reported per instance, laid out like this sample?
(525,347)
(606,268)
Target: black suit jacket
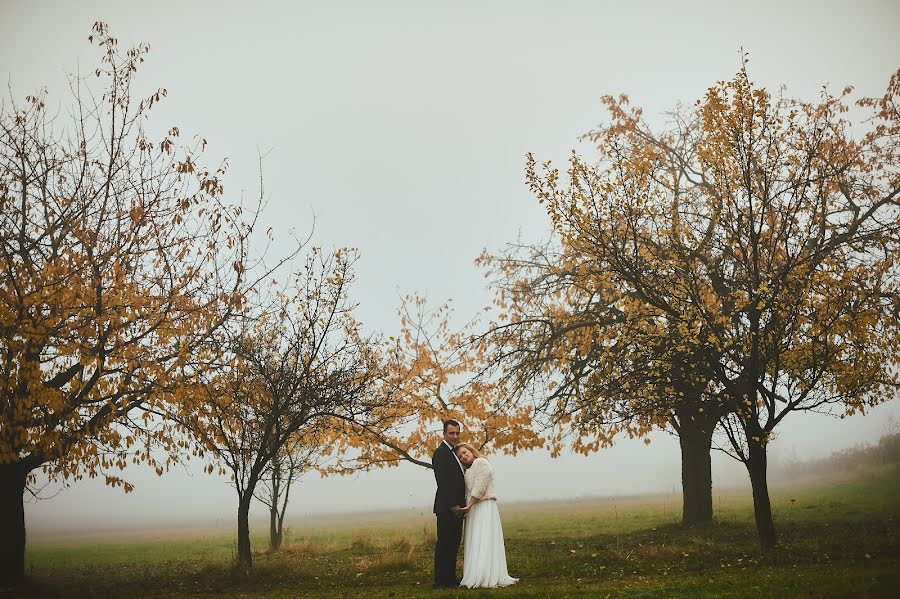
(451,483)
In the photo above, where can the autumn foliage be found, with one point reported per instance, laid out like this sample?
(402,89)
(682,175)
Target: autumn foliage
(119,261)
(428,373)
(729,269)
(735,267)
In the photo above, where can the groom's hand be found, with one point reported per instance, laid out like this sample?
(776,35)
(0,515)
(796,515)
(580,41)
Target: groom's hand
(457,511)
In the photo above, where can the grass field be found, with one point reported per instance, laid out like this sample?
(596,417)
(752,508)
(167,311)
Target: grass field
(838,538)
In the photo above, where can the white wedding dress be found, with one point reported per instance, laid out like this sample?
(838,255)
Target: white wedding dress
(484,557)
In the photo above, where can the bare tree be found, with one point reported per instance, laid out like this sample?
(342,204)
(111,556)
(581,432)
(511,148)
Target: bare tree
(299,456)
(299,370)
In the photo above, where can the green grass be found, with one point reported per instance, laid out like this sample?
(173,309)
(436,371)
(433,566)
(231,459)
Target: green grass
(837,539)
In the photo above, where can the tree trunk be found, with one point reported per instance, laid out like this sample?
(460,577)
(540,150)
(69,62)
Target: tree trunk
(762,507)
(12,523)
(281,524)
(244,556)
(695,436)
(274,528)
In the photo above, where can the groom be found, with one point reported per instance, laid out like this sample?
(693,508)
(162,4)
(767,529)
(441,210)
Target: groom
(450,497)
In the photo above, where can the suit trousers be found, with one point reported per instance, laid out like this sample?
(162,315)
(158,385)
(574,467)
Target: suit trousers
(449,537)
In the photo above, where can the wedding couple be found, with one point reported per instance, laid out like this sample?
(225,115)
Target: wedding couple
(461,472)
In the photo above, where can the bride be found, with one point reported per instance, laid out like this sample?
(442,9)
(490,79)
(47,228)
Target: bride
(484,560)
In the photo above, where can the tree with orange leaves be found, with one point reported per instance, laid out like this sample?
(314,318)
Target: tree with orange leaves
(597,355)
(120,262)
(428,373)
(807,295)
(736,267)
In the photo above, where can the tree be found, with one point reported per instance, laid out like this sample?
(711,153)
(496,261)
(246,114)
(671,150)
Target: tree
(428,373)
(808,232)
(296,370)
(298,456)
(598,325)
(737,266)
(120,261)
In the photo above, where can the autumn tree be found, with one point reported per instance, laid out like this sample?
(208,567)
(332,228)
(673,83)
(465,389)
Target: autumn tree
(429,372)
(597,326)
(808,230)
(297,367)
(120,261)
(735,267)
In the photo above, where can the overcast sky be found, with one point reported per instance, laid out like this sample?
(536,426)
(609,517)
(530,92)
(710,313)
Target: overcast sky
(403,127)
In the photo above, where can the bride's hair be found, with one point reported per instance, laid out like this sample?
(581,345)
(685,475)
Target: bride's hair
(468,446)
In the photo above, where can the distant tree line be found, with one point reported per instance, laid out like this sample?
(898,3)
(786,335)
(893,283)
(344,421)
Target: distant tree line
(867,456)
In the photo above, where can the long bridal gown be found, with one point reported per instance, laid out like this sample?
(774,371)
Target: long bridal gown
(484,562)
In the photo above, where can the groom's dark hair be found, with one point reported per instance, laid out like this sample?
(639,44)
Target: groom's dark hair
(451,422)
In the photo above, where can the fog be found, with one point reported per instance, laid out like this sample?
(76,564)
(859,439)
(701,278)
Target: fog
(401,128)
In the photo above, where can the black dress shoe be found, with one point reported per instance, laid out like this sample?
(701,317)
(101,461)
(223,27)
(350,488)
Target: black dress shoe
(448,585)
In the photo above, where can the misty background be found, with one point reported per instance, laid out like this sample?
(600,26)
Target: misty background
(401,128)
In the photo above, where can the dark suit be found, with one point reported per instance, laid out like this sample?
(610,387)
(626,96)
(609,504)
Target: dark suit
(451,491)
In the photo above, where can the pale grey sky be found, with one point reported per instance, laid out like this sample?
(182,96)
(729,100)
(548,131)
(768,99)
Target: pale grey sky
(403,127)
